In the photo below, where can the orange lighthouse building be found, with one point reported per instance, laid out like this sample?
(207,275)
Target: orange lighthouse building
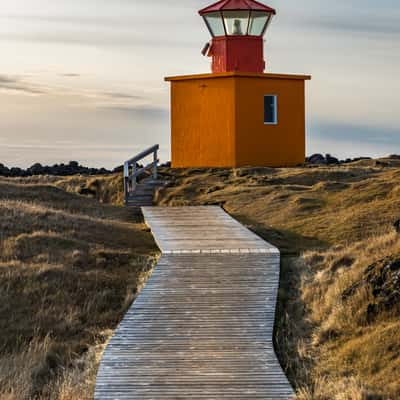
(238,115)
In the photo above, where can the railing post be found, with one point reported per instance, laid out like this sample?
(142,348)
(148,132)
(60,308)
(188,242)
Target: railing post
(126,180)
(155,159)
(134,177)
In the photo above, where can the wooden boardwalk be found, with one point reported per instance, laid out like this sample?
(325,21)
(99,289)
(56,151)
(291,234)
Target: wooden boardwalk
(202,327)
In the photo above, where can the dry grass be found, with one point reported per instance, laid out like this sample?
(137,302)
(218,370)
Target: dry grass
(347,338)
(337,331)
(69,269)
(104,188)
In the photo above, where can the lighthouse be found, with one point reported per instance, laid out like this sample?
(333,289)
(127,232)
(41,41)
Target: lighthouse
(239,114)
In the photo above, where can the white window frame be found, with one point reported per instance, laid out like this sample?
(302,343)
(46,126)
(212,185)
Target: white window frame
(275,96)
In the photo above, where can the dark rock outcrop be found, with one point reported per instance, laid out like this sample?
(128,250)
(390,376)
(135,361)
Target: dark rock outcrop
(319,159)
(316,159)
(72,168)
(331,160)
(382,280)
(322,160)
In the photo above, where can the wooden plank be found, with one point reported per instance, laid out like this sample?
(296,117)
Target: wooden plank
(202,327)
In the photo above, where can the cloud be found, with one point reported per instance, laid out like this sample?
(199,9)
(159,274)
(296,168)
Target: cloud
(142,111)
(109,100)
(16,84)
(70,75)
(116,39)
(121,96)
(367,25)
(99,98)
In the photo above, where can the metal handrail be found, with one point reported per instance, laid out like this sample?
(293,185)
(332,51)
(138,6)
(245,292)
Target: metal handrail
(132,172)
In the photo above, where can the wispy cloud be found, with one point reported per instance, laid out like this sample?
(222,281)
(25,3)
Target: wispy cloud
(98,98)
(131,38)
(18,85)
(70,75)
(110,100)
(142,111)
(373,25)
(121,96)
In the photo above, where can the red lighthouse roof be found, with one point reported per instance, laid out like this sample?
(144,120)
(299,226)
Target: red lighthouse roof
(236,5)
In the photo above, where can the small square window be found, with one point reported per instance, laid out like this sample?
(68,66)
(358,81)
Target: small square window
(270,110)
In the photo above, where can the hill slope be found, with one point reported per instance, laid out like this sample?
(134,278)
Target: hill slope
(69,269)
(339,303)
(65,254)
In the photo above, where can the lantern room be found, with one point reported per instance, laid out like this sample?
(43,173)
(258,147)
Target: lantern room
(237,115)
(237,28)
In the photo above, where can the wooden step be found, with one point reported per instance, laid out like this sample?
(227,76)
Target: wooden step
(140,201)
(143,195)
(143,191)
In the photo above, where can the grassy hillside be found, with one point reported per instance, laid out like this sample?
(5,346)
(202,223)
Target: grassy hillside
(69,269)
(339,307)
(71,264)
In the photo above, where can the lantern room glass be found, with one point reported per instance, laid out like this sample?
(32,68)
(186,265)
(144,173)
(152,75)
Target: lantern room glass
(236,22)
(215,23)
(258,22)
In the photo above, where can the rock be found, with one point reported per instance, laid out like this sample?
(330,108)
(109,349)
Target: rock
(396,226)
(394,266)
(74,165)
(36,169)
(316,159)
(118,170)
(79,259)
(331,160)
(72,168)
(382,280)
(4,171)
(394,157)
(14,172)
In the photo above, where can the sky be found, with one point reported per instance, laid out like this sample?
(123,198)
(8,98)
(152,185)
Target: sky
(83,79)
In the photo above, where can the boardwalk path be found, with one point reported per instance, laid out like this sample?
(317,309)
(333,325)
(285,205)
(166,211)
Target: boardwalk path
(202,327)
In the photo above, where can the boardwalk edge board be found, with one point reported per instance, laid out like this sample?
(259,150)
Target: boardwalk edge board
(202,328)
